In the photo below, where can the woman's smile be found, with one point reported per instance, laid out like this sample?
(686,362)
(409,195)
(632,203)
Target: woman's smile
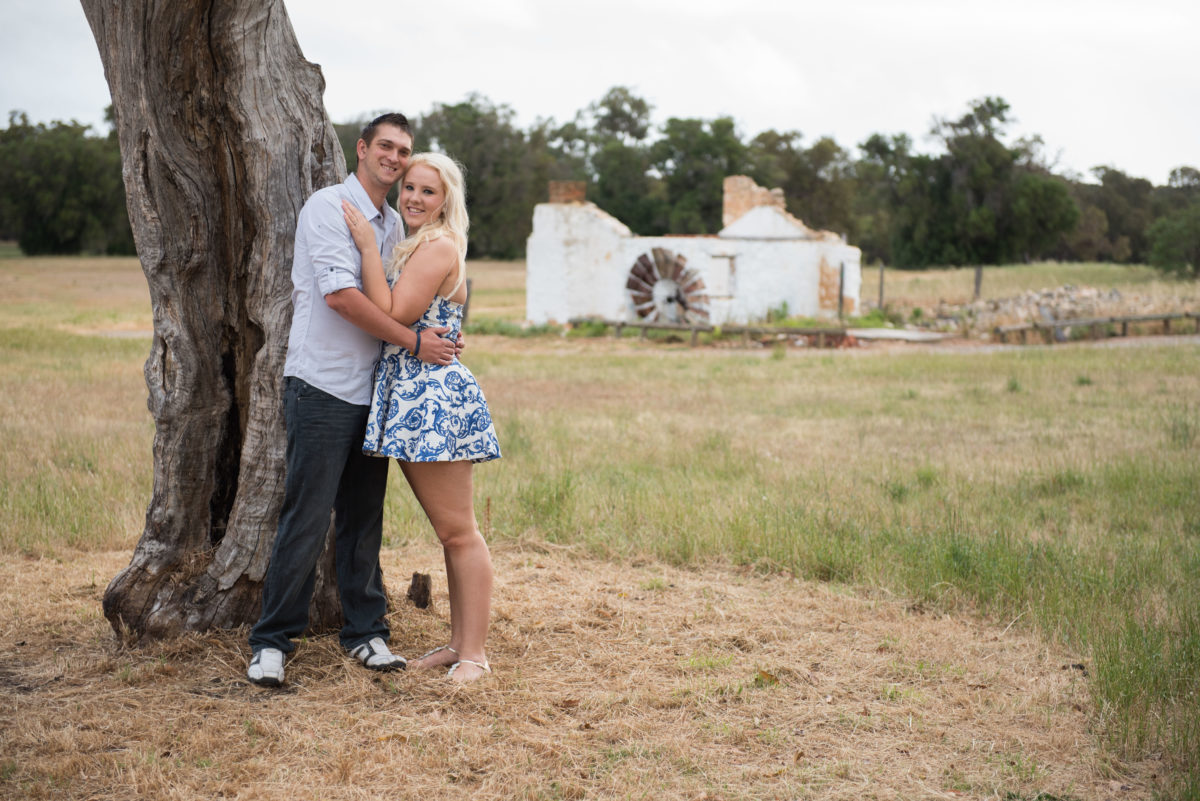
(421,196)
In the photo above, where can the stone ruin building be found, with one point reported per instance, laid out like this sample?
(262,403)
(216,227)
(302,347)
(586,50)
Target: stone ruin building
(584,263)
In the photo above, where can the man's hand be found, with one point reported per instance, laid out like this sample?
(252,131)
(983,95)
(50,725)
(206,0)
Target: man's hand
(459,345)
(356,309)
(435,348)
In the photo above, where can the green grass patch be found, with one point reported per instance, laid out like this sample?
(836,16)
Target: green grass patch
(588,329)
(495,327)
(76,469)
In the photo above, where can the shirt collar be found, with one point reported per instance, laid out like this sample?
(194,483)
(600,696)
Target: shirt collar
(389,217)
(361,198)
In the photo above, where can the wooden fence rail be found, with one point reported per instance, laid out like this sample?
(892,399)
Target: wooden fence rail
(823,336)
(1051,331)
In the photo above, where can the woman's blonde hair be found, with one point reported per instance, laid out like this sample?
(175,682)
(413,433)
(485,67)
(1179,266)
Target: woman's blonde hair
(452,221)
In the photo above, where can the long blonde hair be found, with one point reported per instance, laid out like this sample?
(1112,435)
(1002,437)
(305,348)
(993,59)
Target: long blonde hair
(452,222)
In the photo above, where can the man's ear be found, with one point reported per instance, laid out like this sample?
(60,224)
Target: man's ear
(361,149)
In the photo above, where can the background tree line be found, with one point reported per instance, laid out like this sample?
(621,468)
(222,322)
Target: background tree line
(979,198)
(61,189)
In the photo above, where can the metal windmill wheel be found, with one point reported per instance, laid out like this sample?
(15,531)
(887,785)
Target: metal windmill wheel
(662,288)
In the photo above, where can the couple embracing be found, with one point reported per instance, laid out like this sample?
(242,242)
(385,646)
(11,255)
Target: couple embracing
(349,406)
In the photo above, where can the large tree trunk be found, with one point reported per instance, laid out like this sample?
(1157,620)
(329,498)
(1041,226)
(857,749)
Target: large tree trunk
(223,136)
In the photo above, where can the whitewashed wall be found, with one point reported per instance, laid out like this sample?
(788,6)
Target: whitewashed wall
(578,259)
(571,263)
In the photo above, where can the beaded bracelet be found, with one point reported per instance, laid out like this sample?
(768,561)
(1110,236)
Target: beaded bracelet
(417,349)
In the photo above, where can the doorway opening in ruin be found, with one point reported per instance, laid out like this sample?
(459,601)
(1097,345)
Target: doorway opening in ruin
(663,289)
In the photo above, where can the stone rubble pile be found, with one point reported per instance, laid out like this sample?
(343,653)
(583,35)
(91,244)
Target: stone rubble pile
(1060,303)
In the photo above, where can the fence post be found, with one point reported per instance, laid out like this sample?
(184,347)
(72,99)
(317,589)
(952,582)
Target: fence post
(467,304)
(841,289)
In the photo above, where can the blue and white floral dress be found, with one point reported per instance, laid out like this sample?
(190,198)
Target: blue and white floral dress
(429,412)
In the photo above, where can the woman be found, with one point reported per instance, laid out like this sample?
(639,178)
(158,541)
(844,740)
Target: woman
(433,419)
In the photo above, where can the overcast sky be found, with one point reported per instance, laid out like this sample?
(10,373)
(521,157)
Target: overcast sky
(1103,82)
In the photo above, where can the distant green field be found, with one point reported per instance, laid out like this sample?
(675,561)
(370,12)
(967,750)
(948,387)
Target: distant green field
(1054,488)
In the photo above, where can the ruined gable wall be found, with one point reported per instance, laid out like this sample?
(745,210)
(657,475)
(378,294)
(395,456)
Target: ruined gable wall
(571,263)
(742,194)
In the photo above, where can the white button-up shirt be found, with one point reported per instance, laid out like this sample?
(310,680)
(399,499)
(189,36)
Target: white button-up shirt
(323,348)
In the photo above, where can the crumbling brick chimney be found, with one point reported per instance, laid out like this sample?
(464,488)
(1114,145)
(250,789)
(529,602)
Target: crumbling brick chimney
(568,191)
(742,194)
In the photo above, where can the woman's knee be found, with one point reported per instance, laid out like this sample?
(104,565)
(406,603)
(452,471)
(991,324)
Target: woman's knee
(458,538)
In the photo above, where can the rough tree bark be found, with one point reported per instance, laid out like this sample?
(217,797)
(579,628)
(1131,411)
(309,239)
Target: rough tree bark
(223,136)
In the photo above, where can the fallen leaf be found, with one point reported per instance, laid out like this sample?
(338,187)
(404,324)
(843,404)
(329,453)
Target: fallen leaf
(765,679)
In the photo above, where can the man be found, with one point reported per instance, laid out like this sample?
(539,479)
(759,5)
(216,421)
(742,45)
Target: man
(332,350)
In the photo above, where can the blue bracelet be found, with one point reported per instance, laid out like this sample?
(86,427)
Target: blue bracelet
(417,349)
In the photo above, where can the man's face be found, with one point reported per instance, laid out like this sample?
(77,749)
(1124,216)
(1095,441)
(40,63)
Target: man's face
(383,161)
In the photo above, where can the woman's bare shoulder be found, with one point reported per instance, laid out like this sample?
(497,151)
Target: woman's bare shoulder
(434,254)
(439,248)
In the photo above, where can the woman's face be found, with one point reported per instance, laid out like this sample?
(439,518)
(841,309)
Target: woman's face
(421,196)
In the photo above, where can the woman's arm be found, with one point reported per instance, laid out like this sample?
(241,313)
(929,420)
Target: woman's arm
(354,307)
(374,282)
(423,276)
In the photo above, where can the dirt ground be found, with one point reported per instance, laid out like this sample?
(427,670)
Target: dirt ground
(612,680)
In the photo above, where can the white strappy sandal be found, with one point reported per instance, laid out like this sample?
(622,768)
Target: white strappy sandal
(437,650)
(484,665)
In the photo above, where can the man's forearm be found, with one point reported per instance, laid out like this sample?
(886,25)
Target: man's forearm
(357,309)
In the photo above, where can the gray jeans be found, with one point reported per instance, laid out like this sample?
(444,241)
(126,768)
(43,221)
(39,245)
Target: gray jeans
(326,470)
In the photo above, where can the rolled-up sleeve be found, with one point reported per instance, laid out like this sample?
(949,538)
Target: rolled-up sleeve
(335,260)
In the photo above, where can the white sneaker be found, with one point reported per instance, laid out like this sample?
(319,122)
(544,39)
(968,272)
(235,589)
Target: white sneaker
(374,654)
(266,668)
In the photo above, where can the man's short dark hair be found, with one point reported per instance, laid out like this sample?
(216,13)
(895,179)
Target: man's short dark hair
(391,118)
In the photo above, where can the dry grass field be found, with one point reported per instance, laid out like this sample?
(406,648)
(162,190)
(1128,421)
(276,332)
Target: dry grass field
(896,572)
(77,295)
(614,679)
(908,289)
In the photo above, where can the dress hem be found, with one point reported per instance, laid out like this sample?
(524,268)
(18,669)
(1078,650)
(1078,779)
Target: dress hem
(473,460)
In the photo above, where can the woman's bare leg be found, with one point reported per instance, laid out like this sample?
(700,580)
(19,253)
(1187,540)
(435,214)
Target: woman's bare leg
(444,490)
